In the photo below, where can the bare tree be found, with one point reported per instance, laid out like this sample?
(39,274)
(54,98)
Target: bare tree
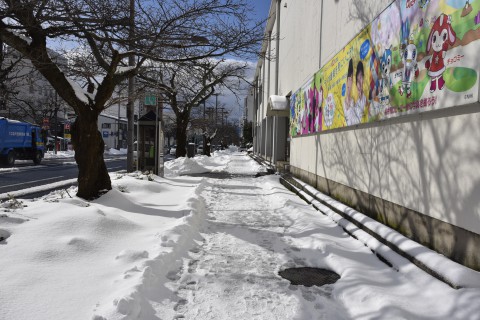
(118,43)
(187,85)
(9,76)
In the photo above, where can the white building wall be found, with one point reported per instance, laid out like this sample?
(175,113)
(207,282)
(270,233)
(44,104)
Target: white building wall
(271,68)
(342,20)
(428,162)
(299,43)
(263,92)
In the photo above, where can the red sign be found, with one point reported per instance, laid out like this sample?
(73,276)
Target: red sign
(46,124)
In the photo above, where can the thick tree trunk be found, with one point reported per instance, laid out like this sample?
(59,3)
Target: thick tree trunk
(181,136)
(93,178)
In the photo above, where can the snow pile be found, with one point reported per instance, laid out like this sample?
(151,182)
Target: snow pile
(187,247)
(71,153)
(45,187)
(68,257)
(115,152)
(59,155)
(199,164)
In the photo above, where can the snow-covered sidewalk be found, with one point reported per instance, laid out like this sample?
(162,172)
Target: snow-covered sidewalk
(190,247)
(255,228)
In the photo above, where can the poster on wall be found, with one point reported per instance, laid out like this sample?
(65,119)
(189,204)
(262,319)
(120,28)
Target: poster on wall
(305,116)
(427,53)
(346,83)
(294,113)
(417,55)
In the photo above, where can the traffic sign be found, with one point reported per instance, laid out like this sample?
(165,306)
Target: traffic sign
(150,100)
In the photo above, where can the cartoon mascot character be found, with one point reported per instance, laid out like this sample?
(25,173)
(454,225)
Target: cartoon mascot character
(385,80)
(410,67)
(440,37)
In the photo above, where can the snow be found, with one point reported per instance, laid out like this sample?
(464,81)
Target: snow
(71,153)
(454,273)
(113,151)
(43,187)
(81,94)
(59,155)
(196,247)
(121,70)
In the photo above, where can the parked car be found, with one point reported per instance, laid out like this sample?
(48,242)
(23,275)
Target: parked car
(173,150)
(200,150)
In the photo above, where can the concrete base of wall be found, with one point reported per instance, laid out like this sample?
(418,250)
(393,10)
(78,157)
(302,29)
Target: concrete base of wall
(282,166)
(457,244)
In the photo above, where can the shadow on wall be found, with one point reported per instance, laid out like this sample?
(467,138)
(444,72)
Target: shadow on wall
(421,162)
(364,11)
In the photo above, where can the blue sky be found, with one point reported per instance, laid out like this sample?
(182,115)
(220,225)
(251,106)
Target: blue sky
(260,12)
(261,8)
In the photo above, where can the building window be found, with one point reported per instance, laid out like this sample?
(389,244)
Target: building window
(106,125)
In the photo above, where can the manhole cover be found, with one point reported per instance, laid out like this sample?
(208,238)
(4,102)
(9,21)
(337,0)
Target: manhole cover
(309,276)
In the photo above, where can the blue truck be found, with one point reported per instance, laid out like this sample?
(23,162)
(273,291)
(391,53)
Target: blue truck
(20,140)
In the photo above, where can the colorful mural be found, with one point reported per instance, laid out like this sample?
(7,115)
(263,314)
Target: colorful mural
(417,55)
(304,109)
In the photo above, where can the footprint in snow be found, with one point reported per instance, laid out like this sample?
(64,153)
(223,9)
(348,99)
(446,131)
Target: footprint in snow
(7,219)
(4,235)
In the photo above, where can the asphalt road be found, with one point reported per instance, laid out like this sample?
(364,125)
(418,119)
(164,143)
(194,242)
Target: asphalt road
(26,175)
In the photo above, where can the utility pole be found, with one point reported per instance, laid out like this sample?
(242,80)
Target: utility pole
(118,121)
(56,124)
(216,106)
(222,112)
(131,89)
(225,116)
(210,115)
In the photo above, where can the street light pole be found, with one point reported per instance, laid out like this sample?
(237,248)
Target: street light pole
(130,104)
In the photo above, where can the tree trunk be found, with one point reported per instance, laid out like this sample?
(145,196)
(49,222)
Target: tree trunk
(182,123)
(93,178)
(206,144)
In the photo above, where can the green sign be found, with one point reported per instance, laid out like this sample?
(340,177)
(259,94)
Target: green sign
(150,100)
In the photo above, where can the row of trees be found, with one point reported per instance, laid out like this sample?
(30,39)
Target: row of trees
(178,47)
(186,86)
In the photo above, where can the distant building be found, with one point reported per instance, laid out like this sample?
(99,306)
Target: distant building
(26,95)
(113,131)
